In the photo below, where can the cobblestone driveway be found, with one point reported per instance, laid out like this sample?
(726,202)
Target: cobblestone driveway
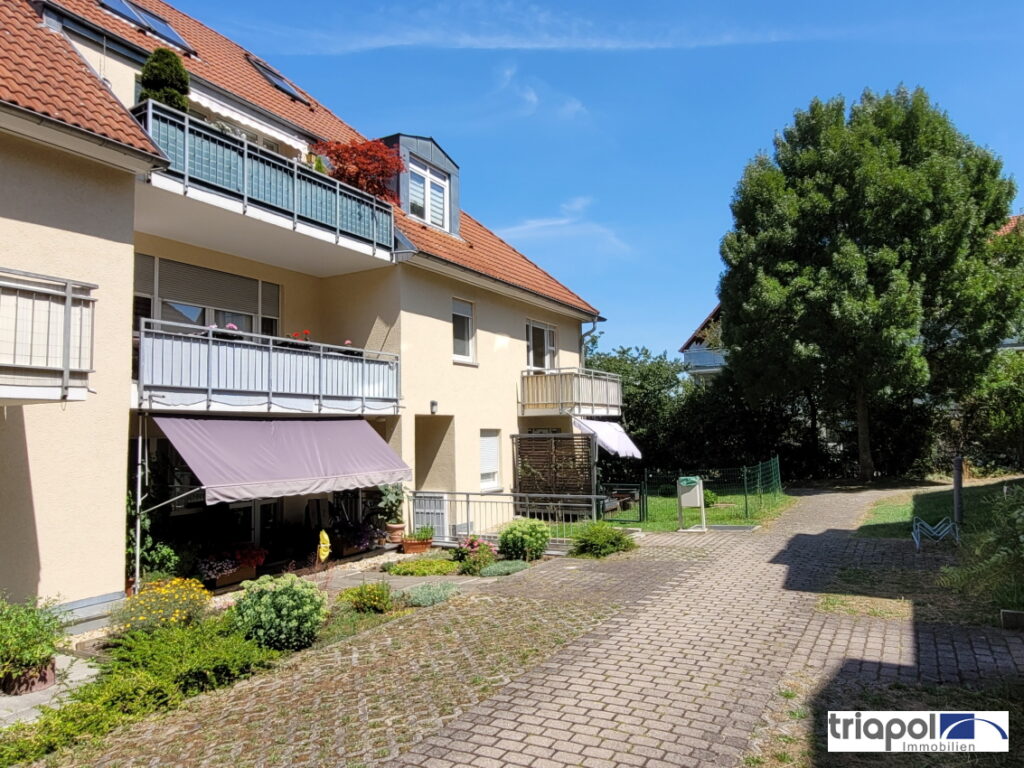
(669,655)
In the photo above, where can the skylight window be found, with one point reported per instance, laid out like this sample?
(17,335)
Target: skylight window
(148,21)
(278,81)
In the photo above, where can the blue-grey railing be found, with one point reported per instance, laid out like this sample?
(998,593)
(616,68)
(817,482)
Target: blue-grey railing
(203,156)
(704,358)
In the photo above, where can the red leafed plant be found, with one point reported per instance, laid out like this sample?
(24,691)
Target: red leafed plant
(368,165)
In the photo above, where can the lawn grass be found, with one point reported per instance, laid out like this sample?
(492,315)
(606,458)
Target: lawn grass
(663,513)
(890,518)
(345,622)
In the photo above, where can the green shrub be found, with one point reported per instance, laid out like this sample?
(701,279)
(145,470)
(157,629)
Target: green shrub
(710,498)
(165,79)
(993,563)
(29,635)
(93,709)
(524,539)
(423,595)
(423,567)
(371,597)
(504,568)
(196,658)
(162,604)
(479,559)
(600,540)
(282,612)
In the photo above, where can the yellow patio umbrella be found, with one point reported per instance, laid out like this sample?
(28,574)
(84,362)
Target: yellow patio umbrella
(324,550)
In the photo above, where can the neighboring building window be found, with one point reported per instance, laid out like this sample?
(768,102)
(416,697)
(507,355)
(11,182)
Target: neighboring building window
(490,460)
(462,330)
(148,21)
(278,80)
(540,346)
(428,193)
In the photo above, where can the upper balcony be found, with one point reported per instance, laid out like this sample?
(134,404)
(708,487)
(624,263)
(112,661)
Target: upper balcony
(572,391)
(46,337)
(704,361)
(190,367)
(214,177)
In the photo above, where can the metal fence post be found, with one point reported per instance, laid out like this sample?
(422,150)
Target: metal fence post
(958,490)
(746,494)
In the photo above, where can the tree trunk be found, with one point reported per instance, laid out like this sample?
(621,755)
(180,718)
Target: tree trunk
(867,466)
(812,409)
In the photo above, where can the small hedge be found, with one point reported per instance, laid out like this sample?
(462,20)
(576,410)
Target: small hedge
(524,540)
(601,539)
(422,567)
(710,498)
(504,568)
(282,612)
(424,595)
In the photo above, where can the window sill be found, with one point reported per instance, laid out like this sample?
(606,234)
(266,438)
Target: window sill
(492,491)
(467,363)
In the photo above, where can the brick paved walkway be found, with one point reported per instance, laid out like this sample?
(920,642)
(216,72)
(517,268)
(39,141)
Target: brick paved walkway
(667,656)
(683,676)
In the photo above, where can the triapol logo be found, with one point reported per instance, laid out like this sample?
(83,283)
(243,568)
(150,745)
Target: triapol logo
(918,732)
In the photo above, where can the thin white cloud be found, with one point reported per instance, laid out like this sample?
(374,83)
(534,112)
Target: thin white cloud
(572,228)
(530,96)
(496,25)
(571,108)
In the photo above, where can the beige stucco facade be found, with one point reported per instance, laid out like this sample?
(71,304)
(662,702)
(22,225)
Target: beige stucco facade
(62,465)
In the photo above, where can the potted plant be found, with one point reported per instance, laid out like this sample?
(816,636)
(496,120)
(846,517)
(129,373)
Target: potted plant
(419,541)
(392,498)
(30,633)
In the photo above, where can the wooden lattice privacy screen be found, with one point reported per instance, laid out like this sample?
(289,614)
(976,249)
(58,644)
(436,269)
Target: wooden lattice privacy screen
(561,463)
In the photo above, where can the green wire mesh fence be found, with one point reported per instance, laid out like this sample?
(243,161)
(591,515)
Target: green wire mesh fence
(731,495)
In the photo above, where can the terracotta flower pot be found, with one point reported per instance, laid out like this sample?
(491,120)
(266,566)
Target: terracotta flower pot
(395,531)
(29,682)
(413,547)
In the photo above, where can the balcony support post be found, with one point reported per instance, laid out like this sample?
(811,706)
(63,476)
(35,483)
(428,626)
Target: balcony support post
(320,379)
(270,374)
(138,506)
(295,194)
(245,180)
(209,368)
(185,151)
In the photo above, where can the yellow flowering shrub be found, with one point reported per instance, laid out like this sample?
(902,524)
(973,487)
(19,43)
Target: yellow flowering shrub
(170,603)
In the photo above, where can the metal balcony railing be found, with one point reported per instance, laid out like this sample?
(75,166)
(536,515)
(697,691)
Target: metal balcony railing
(46,335)
(205,157)
(190,366)
(704,358)
(576,391)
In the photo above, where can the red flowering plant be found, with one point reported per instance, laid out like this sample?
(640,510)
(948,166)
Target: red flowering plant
(251,556)
(367,165)
(473,555)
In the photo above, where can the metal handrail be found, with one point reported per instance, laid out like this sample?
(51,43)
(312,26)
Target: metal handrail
(591,372)
(144,112)
(70,291)
(705,357)
(569,383)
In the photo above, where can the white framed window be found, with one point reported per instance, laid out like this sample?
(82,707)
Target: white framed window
(463,331)
(429,193)
(490,460)
(541,352)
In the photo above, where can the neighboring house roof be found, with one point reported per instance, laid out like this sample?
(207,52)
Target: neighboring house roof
(482,251)
(226,64)
(41,72)
(698,335)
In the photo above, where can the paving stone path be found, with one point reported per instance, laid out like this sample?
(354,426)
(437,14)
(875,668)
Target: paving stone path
(666,656)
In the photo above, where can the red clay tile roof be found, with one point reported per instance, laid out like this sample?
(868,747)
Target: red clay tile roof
(225,63)
(1009,225)
(480,250)
(41,72)
(219,61)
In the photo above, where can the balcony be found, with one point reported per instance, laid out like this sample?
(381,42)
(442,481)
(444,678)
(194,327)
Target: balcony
(46,338)
(704,361)
(215,176)
(191,368)
(571,391)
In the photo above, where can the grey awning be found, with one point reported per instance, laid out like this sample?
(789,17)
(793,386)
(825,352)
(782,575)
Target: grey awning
(241,459)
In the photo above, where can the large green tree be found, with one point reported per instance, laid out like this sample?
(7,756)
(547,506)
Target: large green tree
(863,261)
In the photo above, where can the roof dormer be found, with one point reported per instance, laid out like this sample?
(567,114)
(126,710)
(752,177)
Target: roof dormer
(428,188)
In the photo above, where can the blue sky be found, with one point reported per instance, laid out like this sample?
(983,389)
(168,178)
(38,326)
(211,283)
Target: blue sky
(604,139)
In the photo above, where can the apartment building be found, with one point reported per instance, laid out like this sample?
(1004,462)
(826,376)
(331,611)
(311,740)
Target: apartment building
(187,288)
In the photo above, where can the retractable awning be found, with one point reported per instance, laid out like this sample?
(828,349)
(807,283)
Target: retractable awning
(242,459)
(610,436)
